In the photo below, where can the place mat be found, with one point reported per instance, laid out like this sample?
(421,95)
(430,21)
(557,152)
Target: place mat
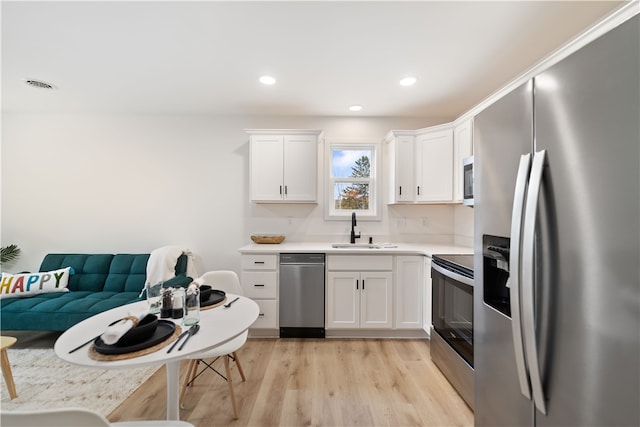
(208,307)
(164,329)
(110,357)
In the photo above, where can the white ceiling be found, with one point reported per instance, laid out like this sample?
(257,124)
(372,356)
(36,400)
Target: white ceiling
(206,57)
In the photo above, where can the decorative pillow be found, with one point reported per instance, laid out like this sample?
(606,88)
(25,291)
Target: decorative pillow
(179,281)
(29,284)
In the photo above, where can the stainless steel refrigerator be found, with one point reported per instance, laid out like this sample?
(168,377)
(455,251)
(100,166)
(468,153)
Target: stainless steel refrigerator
(557,237)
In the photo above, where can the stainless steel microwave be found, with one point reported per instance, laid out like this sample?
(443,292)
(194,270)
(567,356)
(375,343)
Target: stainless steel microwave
(467,181)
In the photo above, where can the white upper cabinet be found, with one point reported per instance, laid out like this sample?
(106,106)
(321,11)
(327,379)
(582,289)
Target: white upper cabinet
(434,173)
(284,165)
(462,148)
(401,150)
(419,165)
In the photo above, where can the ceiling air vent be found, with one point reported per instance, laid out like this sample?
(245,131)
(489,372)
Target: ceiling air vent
(39,84)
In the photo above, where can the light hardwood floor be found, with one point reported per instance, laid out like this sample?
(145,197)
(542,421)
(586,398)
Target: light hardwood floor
(330,382)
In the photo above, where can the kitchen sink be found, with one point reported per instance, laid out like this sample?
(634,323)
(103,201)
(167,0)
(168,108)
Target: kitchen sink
(356,246)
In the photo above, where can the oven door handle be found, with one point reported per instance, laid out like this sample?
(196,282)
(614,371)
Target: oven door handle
(513,282)
(452,274)
(528,271)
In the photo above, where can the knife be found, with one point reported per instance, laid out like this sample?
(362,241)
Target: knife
(82,345)
(192,331)
(182,335)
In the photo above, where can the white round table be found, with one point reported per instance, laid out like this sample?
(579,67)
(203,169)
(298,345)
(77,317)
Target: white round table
(217,326)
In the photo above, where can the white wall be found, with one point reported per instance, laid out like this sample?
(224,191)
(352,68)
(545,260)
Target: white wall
(120,183)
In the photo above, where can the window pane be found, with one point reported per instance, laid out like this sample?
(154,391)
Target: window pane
(351,196)
(350,163)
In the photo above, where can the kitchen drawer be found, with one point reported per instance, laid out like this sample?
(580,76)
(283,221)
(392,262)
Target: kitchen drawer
(259,262)
(360,262)
(267,319)
(260,284)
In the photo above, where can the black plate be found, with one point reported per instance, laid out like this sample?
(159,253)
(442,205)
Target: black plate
(214,298)
(163,331)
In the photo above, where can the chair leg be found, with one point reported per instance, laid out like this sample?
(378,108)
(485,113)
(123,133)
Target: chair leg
(230,382)
(235,357)
(191,371)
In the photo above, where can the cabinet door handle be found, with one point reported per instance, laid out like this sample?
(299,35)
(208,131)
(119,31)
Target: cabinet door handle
(401,190)
(261,314)
(281,190)
(259,285)
(285,190)
(258,262)
(357,284)
(363,284)
(418,190)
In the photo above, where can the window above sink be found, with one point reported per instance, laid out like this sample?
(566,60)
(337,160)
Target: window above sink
(352,180)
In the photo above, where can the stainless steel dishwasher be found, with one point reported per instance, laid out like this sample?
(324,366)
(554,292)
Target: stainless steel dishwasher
(301,295)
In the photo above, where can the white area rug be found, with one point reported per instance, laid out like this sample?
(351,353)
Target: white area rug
(43,381)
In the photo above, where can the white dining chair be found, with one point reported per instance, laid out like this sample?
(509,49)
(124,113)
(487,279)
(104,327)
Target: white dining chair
(228,282)
(75,417)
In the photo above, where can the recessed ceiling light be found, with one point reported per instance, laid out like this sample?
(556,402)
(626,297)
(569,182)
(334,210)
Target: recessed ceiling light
(355,108)
(267,80)
(39,84)
(408,81)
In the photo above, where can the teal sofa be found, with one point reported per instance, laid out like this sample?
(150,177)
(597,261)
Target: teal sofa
(100,282)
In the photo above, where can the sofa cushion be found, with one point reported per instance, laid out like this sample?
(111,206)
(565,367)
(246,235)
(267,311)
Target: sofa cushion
(91,270)
(127,273)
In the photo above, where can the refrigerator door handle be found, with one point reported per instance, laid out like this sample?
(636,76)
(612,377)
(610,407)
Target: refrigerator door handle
(514,271)
(528,268)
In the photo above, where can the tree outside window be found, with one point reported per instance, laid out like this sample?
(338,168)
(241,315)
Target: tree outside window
(355,195)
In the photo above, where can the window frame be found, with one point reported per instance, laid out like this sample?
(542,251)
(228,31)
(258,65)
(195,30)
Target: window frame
(375,162)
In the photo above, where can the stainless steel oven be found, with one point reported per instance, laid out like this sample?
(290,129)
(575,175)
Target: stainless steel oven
(452,329)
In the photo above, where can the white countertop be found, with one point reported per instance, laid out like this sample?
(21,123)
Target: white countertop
(325,247)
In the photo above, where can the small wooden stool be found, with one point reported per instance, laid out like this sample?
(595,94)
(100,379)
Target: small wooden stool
(5,343)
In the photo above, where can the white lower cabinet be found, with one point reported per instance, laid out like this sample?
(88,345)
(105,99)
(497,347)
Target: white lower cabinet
(409,288)
(259,279)
(426,323)
(358,299)
(268,315)
(363,292)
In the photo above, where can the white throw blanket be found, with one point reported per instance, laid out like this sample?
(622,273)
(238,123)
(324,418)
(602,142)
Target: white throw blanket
(162,264)
(114,332)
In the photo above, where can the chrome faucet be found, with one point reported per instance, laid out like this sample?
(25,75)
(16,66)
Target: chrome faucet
(353,231)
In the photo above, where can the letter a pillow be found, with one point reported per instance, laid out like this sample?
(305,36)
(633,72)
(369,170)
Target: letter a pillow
(29,284)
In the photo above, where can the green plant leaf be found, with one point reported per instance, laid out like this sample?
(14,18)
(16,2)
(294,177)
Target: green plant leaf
(9,253)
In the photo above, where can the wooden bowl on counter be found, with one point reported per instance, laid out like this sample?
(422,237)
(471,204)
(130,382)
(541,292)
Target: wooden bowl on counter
(267,239)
